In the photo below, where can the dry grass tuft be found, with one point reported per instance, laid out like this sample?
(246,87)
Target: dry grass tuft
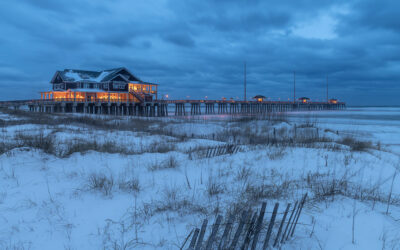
(38,141)
(356,145)
(101,182)
(130,185)
(170,163)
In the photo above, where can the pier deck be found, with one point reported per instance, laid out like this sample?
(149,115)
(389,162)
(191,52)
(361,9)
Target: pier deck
(159,108)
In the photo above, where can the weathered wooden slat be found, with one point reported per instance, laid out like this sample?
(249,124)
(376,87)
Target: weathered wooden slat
(258,226)
(298,216)
(250,230)
(194,238)
(228,227)
(281,226)
(229,149)
(270,226)
(219,150)
(288,223)
(215,151)
(187,237)
(201,236)
(239,229)
(214,232)
(294,218)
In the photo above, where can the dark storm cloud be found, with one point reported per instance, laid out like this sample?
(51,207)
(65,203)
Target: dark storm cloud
(375,15)
(180,39)
(198,48)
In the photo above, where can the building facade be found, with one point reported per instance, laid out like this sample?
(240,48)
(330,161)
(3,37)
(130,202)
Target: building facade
(112,85)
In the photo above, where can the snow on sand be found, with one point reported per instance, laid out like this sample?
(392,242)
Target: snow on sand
(79,192)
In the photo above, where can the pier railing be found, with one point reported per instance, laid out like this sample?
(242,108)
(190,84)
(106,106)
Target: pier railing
(102,100)
(160,107)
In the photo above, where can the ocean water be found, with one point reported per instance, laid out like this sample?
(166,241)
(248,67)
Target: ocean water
(356,115)
(376,124)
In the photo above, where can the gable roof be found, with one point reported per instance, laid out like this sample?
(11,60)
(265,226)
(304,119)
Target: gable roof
(259,96)
(76,75)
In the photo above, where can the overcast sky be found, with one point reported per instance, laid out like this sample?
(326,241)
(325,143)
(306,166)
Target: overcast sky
(197,48)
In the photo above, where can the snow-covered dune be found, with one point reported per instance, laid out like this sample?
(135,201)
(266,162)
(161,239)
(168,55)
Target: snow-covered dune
(91,186)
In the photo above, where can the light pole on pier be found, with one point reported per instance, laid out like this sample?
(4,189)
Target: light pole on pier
(245,94)
(294,86)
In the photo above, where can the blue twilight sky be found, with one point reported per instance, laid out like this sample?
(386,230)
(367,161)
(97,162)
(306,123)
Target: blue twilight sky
(197,48)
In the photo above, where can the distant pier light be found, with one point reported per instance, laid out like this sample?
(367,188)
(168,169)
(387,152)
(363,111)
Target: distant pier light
(304,99)
(333,101)
(259,98)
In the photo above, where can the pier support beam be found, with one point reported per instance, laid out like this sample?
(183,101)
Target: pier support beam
(195,109)
(180,109)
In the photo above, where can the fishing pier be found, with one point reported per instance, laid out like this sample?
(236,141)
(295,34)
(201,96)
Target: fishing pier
(119,92)
(162,108)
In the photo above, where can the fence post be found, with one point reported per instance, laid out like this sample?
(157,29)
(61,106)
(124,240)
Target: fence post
(219,150)
(270,226)
(289,221)
(228,227)
(184,243)
(194,238)
(298,216)
(239,229)
(258,225)
(281,226)
(250,230)
(293,221)
(201,236)
(213,232)
(390,193)
(214,151)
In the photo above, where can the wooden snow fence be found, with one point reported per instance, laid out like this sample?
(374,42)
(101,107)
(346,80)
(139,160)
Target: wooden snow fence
(249,231)
(216,151)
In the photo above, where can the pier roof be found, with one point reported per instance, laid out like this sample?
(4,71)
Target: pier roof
(77,75)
